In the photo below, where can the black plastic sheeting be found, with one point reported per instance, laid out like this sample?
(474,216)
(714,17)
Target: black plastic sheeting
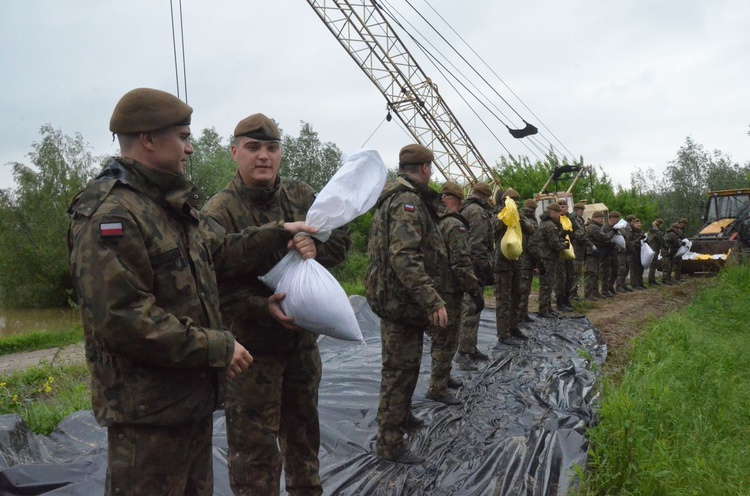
(520,430)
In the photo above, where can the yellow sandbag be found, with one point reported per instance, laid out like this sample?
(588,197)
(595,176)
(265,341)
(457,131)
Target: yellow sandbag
(568,254)
(511,245)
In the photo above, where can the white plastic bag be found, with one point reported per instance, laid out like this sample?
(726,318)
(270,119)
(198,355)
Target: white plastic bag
(618,238)
(314,298)
(685,246)
(647,255)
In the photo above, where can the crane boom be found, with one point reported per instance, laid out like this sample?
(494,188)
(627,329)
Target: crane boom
(369,39)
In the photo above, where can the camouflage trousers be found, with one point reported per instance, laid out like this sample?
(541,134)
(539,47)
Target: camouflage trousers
(444,346)
(578,267)
(402,356)
(527,277)
(609,270)
(636,269)
(591,276)
(652,271)
(469,326)
(507,300)
(667,268)
(623,268)
(165,460)
(677,262)
(274,404)
(547,283)
(566,279)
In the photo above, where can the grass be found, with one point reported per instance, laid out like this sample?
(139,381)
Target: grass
(45,395)
(678,420)
(40,340)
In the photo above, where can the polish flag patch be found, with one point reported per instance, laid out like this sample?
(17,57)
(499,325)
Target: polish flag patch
(409,207)
(110,229)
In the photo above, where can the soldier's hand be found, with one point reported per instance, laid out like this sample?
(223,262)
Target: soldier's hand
(274,308)
(478,300)
(439,318)
(241,361)
(305,246)
(298,227)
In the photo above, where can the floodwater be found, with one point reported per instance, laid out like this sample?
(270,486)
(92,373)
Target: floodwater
(41,319)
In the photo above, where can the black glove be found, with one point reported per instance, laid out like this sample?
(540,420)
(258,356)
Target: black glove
(478,300)
(489,279)
(542,269)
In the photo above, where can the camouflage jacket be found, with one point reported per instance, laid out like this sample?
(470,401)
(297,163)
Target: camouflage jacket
(144,263)
(408,257)
(460,277)
(637,237)
(600,237)
(530,248)
(480,232)
(656,239)
(627,234)
(672,241)
(244,301)
(549,238)
(579,227)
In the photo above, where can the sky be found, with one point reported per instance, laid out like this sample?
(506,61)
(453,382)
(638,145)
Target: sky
(622,84)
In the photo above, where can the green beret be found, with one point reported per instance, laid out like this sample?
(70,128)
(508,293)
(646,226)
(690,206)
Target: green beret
(659,221)
(630,218)
(451,188)
(676,226)
(511,193)
(683,221)
(599,214)
(530,204)
(415,155)
(144,109)
(562,201)
(614,214)
(483,188)
(579,206)
(259,127)
(554,207)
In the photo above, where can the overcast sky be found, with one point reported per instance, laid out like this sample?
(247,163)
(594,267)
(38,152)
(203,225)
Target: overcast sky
(620,83)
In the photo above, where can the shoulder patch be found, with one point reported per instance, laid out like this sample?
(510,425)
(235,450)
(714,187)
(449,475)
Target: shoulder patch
(110,229)
(408,207)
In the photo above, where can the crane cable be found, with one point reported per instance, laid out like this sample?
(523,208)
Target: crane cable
(499,78)
(176,70)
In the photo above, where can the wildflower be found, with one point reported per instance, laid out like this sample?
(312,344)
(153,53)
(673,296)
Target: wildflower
(14,398)
(2,385)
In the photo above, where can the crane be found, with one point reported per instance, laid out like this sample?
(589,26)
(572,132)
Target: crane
(411,96)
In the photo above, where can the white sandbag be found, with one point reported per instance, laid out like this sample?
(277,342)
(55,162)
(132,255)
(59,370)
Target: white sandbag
(314,298)
(619,240)
(620,224)
(685,246)
(647,255)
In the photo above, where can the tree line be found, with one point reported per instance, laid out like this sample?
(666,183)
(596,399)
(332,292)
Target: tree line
(33,218)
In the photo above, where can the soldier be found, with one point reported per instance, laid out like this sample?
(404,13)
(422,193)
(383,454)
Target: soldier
(656,242)
(508,280)
(565,278)
(144,263)
(403,285)
(475,209)
(624,256)
(678,260)
(672,240)
(276,401)
(551,243)
(636,268)
(599,242)
(529,261)
(460,280)
(579,246)
(609,260)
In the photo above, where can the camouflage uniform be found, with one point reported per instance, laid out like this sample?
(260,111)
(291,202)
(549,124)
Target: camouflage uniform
(550,245)
(672,241)
(460,279)
(529,261)
(477,213)
(623,258)
(579,247)
(609,265)
(636,268)
(508,280)
(277,398)
(565,279)
(677,261)
(600,241)
(408,261)
(144,263)
(657,243)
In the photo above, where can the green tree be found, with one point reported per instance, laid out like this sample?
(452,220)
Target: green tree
(307,159)
(211,165)
(33,220)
